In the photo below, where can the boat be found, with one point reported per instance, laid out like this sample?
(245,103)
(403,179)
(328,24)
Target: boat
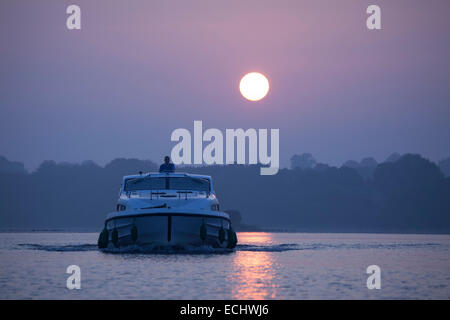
(167,210)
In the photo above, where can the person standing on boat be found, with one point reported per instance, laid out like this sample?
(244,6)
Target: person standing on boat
(167,167)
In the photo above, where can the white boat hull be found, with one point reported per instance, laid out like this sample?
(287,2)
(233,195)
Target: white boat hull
(165,228)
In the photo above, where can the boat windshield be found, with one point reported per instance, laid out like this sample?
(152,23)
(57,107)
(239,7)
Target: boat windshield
(167,183)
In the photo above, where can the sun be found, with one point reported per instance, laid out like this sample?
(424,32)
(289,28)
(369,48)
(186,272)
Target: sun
(254,86)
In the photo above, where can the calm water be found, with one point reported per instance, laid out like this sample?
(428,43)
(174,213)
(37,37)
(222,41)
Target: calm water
(264,266)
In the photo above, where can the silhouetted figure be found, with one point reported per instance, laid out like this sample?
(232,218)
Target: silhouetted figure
(167,166)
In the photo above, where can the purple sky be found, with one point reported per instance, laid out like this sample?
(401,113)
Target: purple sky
(140,69)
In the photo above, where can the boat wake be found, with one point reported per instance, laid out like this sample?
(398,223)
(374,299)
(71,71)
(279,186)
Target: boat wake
(160,249)
(127,249)
(269,248)
(210,250)
(59,248)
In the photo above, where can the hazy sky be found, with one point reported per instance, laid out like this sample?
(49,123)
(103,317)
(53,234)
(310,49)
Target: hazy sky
(137,70)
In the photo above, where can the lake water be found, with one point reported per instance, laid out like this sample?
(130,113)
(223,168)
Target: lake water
(264,266)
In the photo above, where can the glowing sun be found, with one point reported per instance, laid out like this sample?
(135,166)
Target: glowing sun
(254,86)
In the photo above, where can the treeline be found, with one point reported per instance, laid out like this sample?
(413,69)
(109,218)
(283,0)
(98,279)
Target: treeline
(405,194)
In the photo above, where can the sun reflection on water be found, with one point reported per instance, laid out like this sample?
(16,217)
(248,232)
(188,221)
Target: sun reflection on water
(253,272)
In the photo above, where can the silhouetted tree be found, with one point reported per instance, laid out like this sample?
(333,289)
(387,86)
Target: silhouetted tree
(393,157)
(408,195)
(369,162)
(351,164)
(444,165)
(7,166)
(415,194)
(303,161)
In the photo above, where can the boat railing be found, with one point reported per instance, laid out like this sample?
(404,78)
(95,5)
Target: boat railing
(164,194)
(185,192)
